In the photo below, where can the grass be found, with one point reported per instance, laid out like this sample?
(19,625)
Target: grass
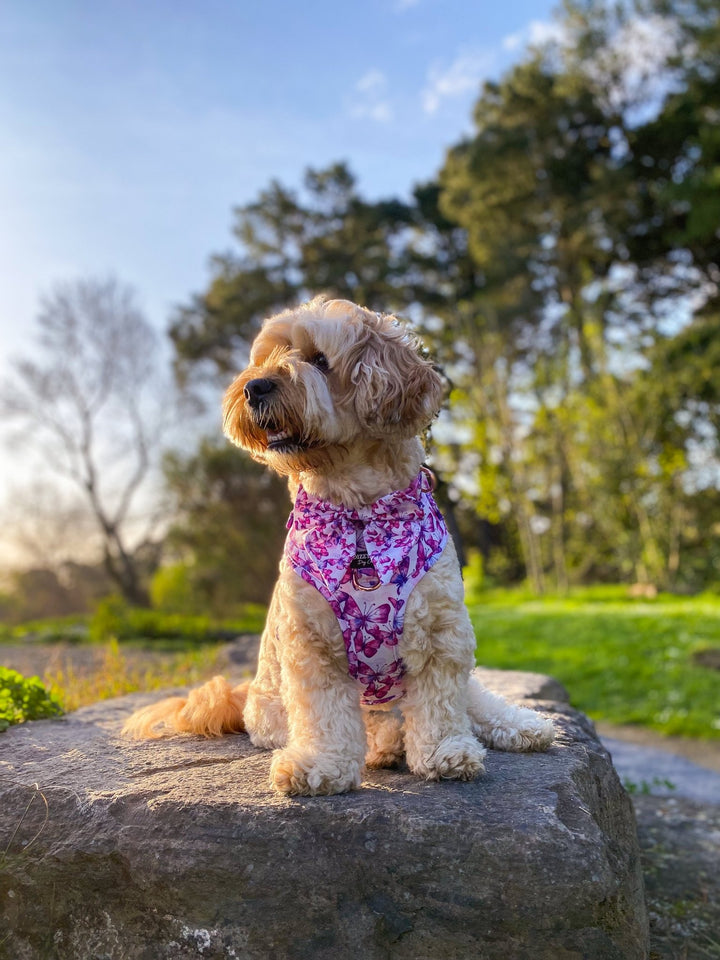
(113,618)
(128,650)
(72,629)
(623,661)
(159,629)
(117,674)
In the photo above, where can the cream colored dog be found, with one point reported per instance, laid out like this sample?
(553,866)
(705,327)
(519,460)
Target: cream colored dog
(335,398)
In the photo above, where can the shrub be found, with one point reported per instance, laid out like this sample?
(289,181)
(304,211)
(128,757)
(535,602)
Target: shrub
(69,629)
(113,618)
(172,589)
(474,576)
(108,619)
(24,698)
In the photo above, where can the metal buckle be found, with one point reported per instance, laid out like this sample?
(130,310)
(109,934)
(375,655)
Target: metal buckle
(357,575)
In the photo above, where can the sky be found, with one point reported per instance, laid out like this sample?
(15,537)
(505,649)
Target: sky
(129,129)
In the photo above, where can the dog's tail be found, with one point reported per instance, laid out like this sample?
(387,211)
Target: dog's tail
(209,711)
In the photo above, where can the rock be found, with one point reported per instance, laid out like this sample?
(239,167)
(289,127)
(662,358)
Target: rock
(518,685)
(680,844)
(177,849)
(243,651)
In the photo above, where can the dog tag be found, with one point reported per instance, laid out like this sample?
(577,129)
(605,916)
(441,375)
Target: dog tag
(364,576)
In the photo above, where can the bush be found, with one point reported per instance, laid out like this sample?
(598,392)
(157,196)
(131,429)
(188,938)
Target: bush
(108,619)
(70,629)
(474,576)
(172,589)
(114,619)
(24,698)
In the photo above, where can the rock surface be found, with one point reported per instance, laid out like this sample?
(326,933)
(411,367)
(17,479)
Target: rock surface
(179,849)
(680,844)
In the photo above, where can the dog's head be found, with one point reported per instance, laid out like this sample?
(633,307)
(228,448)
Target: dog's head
(324,377)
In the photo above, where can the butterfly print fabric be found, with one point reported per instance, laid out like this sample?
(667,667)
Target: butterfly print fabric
(402,535)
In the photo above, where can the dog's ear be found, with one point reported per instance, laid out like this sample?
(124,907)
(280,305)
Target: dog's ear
(393,385)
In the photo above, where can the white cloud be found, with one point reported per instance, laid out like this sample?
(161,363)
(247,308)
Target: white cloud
(631,68)
(461,77)
(535,34)
(379,112)
(370,99)
(636,61)
(372,82)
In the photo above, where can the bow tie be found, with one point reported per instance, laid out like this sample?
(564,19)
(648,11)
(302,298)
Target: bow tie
(328,533)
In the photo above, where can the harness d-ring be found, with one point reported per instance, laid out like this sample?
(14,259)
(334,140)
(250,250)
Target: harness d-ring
(360,586)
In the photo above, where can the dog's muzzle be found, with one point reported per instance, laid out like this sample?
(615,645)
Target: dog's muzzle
(257,391)
(259,396)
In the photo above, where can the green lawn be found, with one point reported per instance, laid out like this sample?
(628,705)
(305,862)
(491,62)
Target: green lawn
(159,630)
(622,661)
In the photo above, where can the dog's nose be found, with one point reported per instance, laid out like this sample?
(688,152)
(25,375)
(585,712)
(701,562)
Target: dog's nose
(257,390)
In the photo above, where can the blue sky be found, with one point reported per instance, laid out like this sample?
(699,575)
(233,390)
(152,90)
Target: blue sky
(129,130)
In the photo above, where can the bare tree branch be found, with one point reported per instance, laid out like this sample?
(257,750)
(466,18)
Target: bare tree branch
(84,402)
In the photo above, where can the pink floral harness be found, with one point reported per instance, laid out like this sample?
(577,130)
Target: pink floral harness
(365,562)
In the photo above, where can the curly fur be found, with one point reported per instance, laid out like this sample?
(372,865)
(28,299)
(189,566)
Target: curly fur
(335,397)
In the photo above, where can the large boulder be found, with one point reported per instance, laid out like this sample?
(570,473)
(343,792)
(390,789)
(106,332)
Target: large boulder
(180,848)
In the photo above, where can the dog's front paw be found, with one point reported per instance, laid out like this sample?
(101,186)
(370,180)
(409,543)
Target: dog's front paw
(521,731)
(454,758)
(297,773)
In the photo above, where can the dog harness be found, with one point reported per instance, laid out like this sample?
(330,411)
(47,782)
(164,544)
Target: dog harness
(365,562)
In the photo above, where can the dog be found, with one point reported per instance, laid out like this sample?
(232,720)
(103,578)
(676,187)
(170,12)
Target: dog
(368,650)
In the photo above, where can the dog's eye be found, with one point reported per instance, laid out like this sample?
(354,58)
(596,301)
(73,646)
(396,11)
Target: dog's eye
(320,361)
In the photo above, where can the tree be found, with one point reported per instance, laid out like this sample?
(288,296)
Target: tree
(293,246)
(574,195)
(44,526)
(87,402)
(228,529)
(526,188)
(566,251)
(35,592)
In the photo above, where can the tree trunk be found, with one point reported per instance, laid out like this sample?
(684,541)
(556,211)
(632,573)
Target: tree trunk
(529,546)
(122,568)
(557,529)
(673,560)
(518,487)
